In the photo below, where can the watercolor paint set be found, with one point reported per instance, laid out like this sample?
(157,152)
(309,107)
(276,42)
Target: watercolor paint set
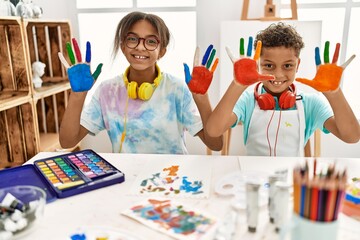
(64,175)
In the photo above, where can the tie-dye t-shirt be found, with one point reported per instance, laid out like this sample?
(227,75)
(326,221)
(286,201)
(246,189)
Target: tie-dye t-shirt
(153,126)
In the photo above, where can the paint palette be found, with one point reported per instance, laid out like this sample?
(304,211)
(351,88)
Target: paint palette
(65,175)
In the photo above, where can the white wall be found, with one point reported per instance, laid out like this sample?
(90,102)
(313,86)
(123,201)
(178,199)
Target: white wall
(64,9)
(210,15)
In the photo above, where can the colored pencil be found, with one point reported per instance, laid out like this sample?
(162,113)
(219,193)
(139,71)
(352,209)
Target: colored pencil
(321,200)
(307,199)
(314,199)
(331,199)
(315,163)
(340,194)
(297,190)
(304,176)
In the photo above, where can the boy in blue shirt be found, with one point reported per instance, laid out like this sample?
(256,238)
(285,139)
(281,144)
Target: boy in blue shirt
(277,120)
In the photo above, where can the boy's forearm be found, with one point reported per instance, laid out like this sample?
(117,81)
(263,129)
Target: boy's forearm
(69,134)
(345,119)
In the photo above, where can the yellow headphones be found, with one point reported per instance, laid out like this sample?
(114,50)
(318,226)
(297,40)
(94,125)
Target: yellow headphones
(146,90)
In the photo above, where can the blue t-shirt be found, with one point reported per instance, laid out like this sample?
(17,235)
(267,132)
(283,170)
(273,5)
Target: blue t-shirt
(153,126)
(316,110)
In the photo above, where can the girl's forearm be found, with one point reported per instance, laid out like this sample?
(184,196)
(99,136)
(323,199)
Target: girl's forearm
(70,133)
(220,119)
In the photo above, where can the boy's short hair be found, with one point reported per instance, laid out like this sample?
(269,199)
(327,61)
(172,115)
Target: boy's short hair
(280,34)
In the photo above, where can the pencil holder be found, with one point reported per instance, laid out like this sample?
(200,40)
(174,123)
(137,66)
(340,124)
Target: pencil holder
(317,202)
(301,228)
(319,197)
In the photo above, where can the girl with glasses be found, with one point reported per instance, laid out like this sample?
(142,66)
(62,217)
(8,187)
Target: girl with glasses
(143,110)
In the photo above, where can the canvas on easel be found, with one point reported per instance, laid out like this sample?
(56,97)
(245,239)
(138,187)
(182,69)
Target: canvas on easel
(269,11)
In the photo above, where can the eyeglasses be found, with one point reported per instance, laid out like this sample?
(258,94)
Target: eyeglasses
(150,43)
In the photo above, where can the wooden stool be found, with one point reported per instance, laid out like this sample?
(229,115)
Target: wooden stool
(226,146)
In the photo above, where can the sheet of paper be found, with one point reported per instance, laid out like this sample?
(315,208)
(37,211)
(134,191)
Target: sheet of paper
(174,219)
(174,178)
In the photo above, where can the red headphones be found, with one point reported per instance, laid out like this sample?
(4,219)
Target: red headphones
(266,101)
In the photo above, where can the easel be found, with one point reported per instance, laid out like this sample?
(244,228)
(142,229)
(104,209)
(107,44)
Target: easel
(270,15)
(269,11)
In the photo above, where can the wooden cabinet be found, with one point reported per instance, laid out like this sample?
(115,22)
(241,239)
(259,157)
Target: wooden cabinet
(30,117)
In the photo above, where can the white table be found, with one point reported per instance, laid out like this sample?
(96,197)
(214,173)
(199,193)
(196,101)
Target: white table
(103,207)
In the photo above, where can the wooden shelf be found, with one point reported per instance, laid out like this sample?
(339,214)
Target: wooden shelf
(49,89)
(12,99)
(18,136)
(30,117)
(45,39)
(14,79)
(49,142)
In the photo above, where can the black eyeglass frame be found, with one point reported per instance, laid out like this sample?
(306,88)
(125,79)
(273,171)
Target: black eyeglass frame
(144,42)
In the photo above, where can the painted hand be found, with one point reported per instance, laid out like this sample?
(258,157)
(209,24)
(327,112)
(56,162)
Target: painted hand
(245,68)
(201,77)
(328,75)
(79,73)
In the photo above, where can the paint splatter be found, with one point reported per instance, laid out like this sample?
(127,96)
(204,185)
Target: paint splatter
(169,182)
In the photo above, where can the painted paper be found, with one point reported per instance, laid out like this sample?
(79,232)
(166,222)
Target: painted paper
(174,179)
(174,219)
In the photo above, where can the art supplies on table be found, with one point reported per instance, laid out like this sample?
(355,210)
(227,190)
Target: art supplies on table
(351,205)
(174,178)
(234,184)
(252,205)
(281,199)
(273,179)
(318,196)
(102,233)
(64,175)
(21,208)
(174,219)
(227,227)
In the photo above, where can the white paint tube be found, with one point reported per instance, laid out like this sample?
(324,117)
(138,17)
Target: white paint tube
(271,204)
(252,205)
(281,200)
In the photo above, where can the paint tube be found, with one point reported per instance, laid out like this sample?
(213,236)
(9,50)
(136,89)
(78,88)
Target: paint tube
(271,204)
(227,228)
(283,174)
(12,202)
(281,201)
(252,205)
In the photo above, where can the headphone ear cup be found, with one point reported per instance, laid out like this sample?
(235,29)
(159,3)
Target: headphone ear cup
(287,100)
(266,101)
(132,89)
(145,92)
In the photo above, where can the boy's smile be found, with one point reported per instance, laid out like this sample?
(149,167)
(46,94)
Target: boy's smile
(281,62)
